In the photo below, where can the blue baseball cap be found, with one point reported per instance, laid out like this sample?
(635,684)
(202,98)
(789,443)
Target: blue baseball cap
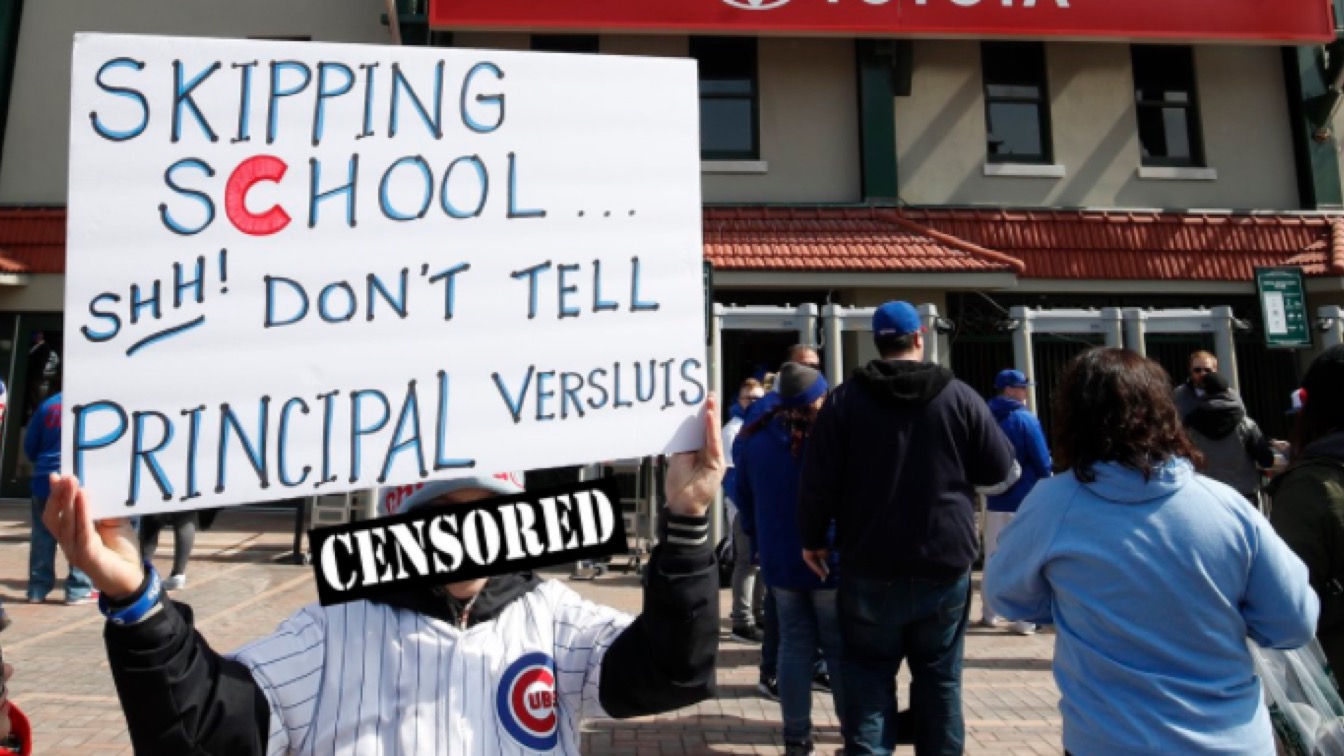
(1011,379)
(896,319)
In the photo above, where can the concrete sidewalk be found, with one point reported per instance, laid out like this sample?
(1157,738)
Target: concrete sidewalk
(239,592)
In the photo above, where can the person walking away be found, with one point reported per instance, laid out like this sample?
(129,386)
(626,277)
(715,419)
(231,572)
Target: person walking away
(768,503)
(768,621)
(1235,450)
(436,664)
(1033,458)
(893,461)
(799,354)
(1154,576)
(748,597)
(184,539)
(1189,393)
(1308,497)
(42,444)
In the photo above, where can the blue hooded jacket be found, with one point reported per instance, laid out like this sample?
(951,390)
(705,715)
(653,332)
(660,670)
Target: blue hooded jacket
(767,497)
(42,444)
(1024,431)
(1154,587)
(755,412)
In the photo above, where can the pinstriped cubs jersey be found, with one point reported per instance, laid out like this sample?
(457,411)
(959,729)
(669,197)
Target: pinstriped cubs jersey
(368,679)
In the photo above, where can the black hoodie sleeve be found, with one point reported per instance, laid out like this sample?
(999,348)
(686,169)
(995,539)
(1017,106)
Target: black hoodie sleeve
(823,468)
(988,454)
(1257,445)
(665,659)
(178,695)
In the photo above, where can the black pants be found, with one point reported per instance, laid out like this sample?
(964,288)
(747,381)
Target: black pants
(184,537)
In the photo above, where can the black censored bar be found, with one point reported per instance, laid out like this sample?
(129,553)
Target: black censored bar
(452,543)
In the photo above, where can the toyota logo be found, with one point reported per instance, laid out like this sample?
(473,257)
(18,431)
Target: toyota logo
(756,5)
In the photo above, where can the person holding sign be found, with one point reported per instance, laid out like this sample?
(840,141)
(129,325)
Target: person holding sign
(506,665)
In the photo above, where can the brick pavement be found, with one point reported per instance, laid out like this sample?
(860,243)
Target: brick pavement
(239,592)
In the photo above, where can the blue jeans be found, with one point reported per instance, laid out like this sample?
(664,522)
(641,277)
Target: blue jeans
(807,619)
(922,622)
(770,643)
(42,562)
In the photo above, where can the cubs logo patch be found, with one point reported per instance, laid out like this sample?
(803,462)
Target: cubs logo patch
(527,703)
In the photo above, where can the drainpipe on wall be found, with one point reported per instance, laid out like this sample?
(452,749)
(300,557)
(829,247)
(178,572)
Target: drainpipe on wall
(11,14)
(408,21)
(883,68)
(393,21)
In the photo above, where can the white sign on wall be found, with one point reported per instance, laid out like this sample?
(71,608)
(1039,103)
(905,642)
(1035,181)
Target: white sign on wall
(302,268)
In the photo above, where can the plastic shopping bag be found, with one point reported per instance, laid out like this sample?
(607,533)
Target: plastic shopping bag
(1303,700)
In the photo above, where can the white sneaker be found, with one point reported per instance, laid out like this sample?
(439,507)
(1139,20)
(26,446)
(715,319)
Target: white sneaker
(1024,628)
(175,583)
(989,621)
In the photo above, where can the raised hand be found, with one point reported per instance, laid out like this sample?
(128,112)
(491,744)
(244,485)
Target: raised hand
(106,550)
(694,478)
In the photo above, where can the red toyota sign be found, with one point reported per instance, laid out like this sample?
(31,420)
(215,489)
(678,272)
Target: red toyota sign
(1193,20)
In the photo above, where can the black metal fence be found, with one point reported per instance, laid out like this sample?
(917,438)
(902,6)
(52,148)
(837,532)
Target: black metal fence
(980,349)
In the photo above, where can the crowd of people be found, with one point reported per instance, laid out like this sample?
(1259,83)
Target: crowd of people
(1140,530)
(1148,541)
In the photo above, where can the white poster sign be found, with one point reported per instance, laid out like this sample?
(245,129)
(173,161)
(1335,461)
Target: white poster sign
(299,269)
(1276,313)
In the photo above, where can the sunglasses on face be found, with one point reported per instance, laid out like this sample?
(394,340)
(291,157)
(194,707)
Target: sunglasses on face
(1201,370)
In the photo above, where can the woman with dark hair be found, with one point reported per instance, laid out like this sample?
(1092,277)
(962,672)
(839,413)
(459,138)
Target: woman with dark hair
(1153,575)
(769,463)
(1308,509)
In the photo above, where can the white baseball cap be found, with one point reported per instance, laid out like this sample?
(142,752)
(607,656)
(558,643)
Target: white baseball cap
(502,484)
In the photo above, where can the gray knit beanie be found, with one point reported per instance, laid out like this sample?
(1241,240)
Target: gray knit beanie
(799,385)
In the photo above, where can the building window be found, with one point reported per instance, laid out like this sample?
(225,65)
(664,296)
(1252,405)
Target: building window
(1164,90)
(729,98)
(565,43)
(1017,102)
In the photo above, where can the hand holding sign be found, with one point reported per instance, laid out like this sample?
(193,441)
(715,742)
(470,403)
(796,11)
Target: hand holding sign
(105,550)
(694,477)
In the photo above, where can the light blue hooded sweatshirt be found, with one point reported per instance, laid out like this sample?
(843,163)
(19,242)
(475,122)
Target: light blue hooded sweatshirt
(1154,587)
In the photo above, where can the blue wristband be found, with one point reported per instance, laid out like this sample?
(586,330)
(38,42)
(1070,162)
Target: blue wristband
(137,611)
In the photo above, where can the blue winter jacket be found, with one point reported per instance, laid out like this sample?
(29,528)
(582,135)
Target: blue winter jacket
(1154,587)
(42,444)
(1024,431)
(767,498)
(755,412)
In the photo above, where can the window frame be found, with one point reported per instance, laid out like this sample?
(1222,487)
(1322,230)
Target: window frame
(1042,103)
(754,56)
(1194,118)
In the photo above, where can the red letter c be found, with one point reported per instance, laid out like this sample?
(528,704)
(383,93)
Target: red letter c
(249,173)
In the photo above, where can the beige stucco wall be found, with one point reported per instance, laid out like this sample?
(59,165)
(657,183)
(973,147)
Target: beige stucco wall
(940,132)
(808,112)
(42,293)
(808,119)
(33,166)
(809,127)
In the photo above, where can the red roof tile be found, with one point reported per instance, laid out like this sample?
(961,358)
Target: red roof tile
(32,240)
(1326,256)
(1145,245)
(838,240)
(1094,245)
